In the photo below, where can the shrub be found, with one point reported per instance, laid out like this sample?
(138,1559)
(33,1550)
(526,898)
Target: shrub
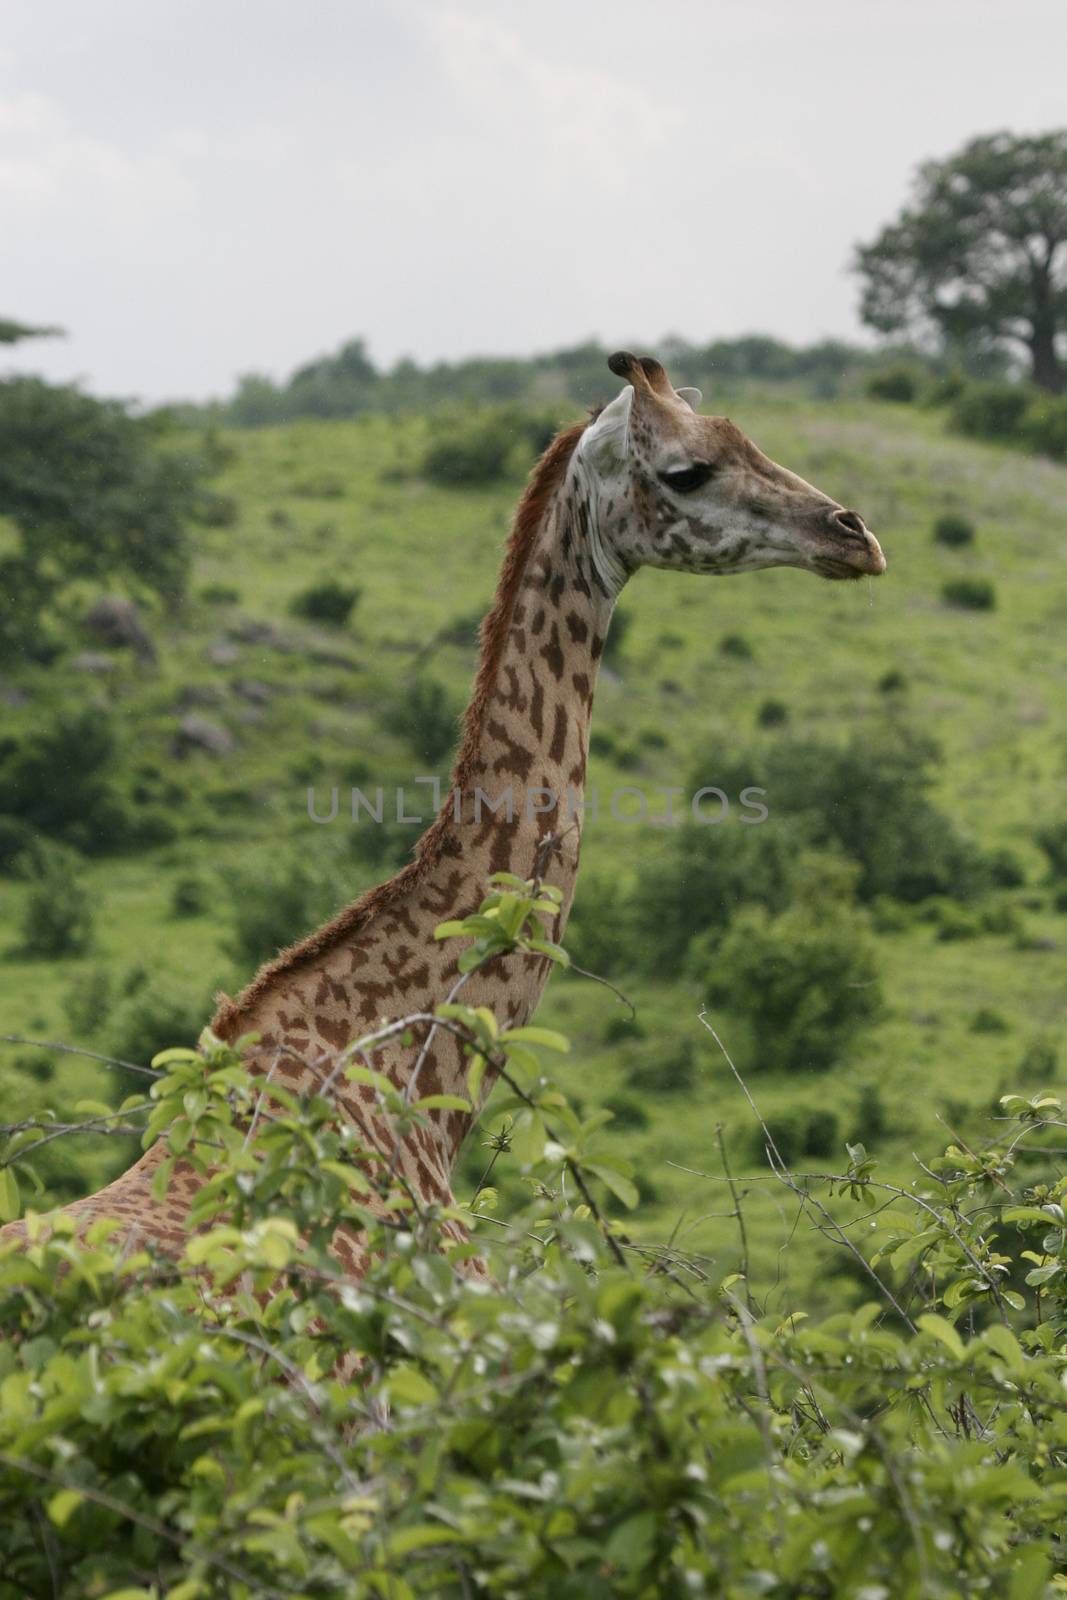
(799,1131)
(772,714)
(1005,869)
(483,448)
(1052,839)
(988,1020)
(1040,1061)
(327,601)
(326,486)
(275,902)
(899,382)
(990,410)
(806,981)
(892,682)
(871,1120)
(21,848)
(157,1014)
(1044,426)
(220,594)
(426,716)
(668,1069)
(87,1003)
(736,645)
(57,916)
(214,510)
(695,882)
(190,897)
(969,594)
(822,1136)
(869,800)
(616,636)
(626,1111)
(625,1421)
(953,529)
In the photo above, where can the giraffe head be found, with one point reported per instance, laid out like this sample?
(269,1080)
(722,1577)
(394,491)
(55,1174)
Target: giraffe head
(691,493)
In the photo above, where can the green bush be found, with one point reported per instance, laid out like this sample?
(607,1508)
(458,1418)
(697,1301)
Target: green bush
(57,914)
(805,981)
(482,447)
(424,713)
(190,897)
(21,848)
(969,594)
(1040,1062)
(892,682)
(617,1422)
(327,601)
(990,410)
(869,800)
(274,902)
(1052,839)
(214,510)
(772,714)
(1044,426)
(953,529)
(871,1120)
(900,382)
(87,1003)
(736,645)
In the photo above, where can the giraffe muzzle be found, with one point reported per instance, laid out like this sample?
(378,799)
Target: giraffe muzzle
(856,553)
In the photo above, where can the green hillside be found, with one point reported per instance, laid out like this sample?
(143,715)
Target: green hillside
(974,994)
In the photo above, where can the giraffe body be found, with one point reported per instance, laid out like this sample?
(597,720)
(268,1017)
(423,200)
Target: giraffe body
(648,482)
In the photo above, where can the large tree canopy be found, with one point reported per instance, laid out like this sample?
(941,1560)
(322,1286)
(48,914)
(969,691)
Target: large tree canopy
(86,494)
(980,253)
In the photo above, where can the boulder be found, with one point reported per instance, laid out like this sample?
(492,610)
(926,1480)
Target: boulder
(114,621)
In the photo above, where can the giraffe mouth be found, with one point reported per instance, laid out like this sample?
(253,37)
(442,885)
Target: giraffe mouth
(862,559)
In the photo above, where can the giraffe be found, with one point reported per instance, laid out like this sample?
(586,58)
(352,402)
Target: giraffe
(645,481)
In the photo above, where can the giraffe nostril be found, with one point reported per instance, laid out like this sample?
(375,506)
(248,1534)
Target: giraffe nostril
(849,522)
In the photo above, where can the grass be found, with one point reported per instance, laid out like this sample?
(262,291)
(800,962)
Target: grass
(987,685)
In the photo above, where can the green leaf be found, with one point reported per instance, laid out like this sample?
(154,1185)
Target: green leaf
(475,1074)
(630,1545)
(528,1138)
(620,1187)
(408,1387)
(62,1506)
(941,1328)
(442,1102)
(546,1037)
(9,1194)
(418,1536)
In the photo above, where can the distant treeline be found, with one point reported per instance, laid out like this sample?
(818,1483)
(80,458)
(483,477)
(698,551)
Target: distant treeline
(347,383)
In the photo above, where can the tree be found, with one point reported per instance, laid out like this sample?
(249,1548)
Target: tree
(11,332)
(89,496)
(979,254)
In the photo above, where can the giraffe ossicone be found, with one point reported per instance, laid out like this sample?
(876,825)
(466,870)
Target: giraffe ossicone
(648,481)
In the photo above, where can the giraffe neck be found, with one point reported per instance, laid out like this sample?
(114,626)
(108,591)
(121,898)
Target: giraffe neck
(531,759)
(520,779)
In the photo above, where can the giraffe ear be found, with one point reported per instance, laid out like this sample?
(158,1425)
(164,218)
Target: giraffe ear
(603,444)
(692,397)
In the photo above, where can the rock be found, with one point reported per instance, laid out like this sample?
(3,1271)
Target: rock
(93,661)
(201,733)
(113,620)
(221,652)
(201,694)
(255,692)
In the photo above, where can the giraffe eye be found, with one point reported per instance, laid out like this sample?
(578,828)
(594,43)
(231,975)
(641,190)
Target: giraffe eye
(685,479)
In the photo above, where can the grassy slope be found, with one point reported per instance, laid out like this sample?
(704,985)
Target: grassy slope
(988,685)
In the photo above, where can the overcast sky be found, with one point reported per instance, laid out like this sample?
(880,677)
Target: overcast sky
(200,188)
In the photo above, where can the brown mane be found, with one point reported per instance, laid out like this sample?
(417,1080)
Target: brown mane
(544,480)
